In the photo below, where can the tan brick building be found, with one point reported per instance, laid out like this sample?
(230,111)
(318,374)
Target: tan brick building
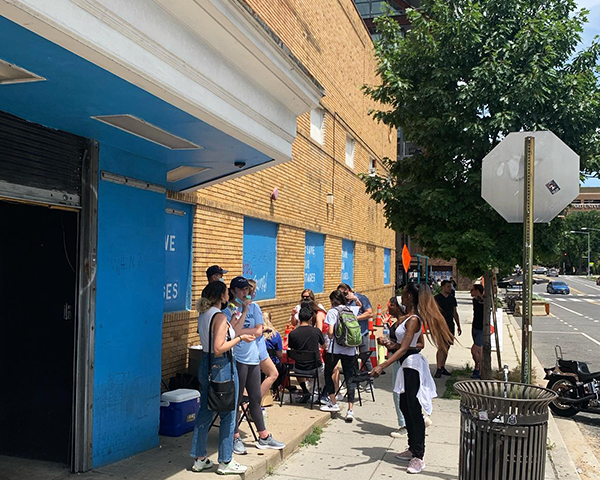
(331,41)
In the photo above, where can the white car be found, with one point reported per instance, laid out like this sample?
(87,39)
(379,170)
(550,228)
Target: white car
(540,270)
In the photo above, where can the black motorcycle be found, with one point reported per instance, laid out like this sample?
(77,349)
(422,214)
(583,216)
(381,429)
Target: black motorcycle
(578,389)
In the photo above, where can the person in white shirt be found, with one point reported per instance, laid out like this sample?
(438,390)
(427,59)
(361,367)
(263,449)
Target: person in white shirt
(414,382)
(348,356)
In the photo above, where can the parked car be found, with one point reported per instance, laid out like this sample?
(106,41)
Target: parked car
(540,270)
(558,287)
(553,272)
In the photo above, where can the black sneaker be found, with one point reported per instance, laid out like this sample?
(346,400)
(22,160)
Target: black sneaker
(438,373)
(445,372)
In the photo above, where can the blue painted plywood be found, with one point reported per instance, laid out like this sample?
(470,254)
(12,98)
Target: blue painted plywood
(129,311)
(386,266)
(260,255)
(348,262)
(177,292)
(314,261)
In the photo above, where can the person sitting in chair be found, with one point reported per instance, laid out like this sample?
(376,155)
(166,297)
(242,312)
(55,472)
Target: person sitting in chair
(306,338)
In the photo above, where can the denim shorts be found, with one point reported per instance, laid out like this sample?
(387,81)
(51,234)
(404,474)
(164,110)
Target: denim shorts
(477,337)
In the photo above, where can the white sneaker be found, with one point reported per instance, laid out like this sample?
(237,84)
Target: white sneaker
(231,468)
(339,397)
(331,407)
(416,465)
(400,433)
(428,421)
(349,416)
(201,465)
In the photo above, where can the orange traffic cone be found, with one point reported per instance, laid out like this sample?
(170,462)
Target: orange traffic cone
(370,324)
(373,349)
(378,321)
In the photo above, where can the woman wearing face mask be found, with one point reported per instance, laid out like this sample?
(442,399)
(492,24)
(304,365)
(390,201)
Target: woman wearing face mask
(248,362)
(224,339)
(414,382)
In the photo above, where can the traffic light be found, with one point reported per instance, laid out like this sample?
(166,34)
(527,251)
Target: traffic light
(565,254)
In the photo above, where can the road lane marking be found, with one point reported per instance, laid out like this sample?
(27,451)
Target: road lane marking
(575,328)
(577,291)
(590,338)
(586,283)
(576,300)
(568,309)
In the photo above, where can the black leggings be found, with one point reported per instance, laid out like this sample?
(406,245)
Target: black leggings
(411,409)
(249,378)
(349,366)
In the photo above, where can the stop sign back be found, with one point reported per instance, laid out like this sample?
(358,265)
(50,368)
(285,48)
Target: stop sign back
(556,176)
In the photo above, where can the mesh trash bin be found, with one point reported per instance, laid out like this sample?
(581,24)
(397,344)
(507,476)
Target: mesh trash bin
(503,433)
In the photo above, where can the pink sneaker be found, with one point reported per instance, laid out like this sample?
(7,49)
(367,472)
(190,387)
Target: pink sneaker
(406,455)
(416,465)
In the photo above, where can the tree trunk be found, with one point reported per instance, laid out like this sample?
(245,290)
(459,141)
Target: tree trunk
(486,363)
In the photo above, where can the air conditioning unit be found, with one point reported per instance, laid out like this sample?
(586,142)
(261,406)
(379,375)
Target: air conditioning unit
(411,149)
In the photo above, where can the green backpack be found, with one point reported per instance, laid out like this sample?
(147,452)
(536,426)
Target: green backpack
(347,329)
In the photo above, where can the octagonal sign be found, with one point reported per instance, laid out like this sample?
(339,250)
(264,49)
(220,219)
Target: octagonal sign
(556,176)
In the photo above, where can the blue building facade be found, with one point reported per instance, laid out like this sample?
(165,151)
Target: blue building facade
(146,116)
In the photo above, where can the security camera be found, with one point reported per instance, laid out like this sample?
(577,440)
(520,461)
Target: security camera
(239,163)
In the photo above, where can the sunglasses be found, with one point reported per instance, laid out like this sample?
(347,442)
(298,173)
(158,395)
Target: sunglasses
(306,298)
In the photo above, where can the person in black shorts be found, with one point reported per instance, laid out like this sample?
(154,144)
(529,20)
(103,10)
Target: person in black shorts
(477,292)
(448,306)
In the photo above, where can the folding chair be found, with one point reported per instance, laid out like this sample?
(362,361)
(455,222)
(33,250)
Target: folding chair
(362,376)
(305,358)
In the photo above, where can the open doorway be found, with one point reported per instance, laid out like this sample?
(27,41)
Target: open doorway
(38,278)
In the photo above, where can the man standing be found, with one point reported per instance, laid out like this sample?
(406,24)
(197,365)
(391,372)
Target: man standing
(448,306)
(365,313)
(215,274)
(477,328)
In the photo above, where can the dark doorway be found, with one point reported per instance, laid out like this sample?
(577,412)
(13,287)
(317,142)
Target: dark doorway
(38,255)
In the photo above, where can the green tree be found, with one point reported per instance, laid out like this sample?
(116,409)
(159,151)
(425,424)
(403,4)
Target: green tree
(466,74)
(575,245)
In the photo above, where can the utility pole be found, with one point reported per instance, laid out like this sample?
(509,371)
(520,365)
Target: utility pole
(527,260)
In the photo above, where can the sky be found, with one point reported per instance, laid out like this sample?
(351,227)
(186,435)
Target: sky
(591,29)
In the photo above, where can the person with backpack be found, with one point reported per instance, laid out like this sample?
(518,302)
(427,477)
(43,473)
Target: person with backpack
(344,337)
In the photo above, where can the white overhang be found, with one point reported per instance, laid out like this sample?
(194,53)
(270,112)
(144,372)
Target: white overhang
(214,59)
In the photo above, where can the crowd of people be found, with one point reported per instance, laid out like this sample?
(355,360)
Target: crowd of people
(242,347)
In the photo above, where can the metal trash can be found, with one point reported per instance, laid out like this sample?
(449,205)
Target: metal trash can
(503,433)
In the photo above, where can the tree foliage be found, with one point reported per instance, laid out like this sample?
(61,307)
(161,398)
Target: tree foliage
(575,244)
(465,75)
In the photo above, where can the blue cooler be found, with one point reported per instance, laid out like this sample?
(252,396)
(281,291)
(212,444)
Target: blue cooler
(178,410)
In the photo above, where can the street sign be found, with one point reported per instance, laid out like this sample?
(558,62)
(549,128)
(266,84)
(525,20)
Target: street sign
(556,177)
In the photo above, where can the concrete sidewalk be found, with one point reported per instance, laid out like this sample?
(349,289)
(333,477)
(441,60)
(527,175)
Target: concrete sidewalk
(365,450)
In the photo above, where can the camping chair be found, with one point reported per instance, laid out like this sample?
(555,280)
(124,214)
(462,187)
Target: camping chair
(362,376)
(306,358)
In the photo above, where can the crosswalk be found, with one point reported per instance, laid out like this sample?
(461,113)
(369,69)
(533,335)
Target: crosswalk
(575,297)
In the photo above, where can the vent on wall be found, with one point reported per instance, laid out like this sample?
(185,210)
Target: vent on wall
(182,172)
(140,128)
(10,73)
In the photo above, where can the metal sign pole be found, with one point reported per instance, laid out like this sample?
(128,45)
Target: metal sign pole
(527,259)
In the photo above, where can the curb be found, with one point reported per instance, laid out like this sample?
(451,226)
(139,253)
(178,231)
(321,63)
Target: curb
(562,463)
(273,458)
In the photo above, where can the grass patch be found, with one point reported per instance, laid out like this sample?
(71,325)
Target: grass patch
(313,437)
(457,376)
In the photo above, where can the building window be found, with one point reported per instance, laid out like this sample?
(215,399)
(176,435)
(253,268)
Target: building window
(348,262)
(350,147)
(317,125)
(314,261)
(260,255)
(386,266)
(177,289)
(372,167)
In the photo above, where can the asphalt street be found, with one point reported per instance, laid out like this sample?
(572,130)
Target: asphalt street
(574,324)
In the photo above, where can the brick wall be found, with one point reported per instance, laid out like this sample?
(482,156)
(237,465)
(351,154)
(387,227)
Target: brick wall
(329,38)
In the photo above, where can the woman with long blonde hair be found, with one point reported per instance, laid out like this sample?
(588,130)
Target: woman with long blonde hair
(414,382)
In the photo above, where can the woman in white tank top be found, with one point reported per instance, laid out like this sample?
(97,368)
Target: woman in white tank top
(414,382)
(224,338)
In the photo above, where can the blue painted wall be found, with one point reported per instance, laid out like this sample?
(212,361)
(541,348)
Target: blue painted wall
(129,309)
(314,261)
(260,255)
(386,266)
(348,262)
(177,291)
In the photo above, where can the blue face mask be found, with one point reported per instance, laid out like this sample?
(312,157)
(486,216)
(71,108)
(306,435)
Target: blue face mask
(222,280)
